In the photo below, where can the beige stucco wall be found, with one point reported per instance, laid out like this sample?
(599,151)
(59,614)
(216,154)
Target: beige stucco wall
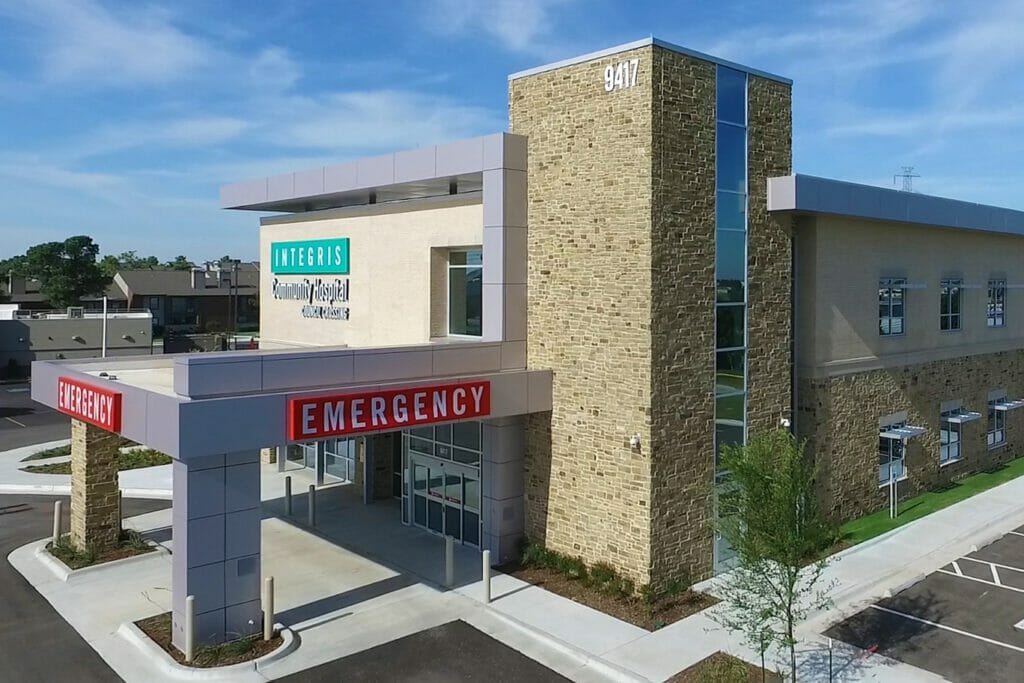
(390,281)
(840,263)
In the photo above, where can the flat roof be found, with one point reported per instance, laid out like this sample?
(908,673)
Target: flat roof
(812,195)
(644,42)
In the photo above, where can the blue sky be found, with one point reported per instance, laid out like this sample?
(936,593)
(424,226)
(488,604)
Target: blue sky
(122,119)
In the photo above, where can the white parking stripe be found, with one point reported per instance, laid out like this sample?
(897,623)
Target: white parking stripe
(995,574)
(1015,533)
(11,419)
(956,568)
(987,583)
(1008,646)
(1001,566)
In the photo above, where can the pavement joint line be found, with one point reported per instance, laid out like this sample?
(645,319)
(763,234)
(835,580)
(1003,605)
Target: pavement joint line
(994,564)
(987,583)
(958,631)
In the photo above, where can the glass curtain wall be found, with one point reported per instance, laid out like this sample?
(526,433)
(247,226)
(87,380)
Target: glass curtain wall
(730,269)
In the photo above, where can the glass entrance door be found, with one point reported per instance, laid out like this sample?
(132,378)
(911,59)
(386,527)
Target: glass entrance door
(446,498)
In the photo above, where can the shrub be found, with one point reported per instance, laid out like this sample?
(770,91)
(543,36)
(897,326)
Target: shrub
(536,555)
(724,670)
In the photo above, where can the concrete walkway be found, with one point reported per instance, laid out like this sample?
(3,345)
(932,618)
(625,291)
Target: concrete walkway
(146,482)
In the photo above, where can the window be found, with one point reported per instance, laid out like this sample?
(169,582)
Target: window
(949,313)
(949,437)
(995,311)
(996,423)
(465,292)
(154,303)
(891,306)
(890,456)
(340,458)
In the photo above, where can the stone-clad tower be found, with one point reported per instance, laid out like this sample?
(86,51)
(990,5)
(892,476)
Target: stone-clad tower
(647,168)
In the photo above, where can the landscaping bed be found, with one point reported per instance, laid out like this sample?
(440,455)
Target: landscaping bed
(58,452)
(158,628)
(600,587)
(724,668)
(126,460)
(131,543)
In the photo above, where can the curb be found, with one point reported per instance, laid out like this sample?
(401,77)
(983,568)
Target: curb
(69,575)
(607,669)
(170,668)
(65,490)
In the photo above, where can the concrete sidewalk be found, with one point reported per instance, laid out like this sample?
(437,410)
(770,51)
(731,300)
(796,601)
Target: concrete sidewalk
(146,482)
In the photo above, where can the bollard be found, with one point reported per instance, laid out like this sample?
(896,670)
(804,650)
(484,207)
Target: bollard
(56,522)
(288,495)
(312,505)
(487,576)
(268,608)
(190,628)
(449,561)
(120,516)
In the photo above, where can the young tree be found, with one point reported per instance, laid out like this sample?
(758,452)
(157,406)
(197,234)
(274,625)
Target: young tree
(67,270)
(128,260)
(770,516)
(179,263)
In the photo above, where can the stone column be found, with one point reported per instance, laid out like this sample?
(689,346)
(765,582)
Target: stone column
(94,522)
(216,556)
(501,470)
(268,456)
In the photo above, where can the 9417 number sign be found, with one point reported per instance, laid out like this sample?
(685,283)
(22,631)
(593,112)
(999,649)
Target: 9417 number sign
(621,76)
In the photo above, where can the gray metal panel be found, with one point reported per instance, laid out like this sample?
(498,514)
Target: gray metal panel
(236,424)
(340,177)
(280,186)
(309,182)
(376,171)
(314,371)
(464,156)
(415,164)
(644,42)
(812,195)
(243,193)
(218,374)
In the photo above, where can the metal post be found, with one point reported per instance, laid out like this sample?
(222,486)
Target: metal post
(56,522)
(312,505)
(487,576)
(288,495)
(268,608)
(190,628)
(103,349)
(120,517)
(449,561)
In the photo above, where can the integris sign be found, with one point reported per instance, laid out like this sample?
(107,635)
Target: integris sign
(323,298)
(318,417)
(83,401)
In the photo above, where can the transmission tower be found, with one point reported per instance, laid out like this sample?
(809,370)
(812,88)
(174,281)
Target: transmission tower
(908,175)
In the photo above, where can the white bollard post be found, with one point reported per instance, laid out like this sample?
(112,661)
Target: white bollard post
(487,576)
(449,561)
(120,514)
(268,608)
(190,628)
(288,495)
(56,522)
(312,505)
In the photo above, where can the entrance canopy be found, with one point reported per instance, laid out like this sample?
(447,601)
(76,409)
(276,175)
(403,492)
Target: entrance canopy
(193,405)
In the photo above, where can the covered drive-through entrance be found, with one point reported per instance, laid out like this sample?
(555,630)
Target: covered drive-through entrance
(451,411)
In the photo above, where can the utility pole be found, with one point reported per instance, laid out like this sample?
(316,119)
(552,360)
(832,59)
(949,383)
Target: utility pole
(908,175)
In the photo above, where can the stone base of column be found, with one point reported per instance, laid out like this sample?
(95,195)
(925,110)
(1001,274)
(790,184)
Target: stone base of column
(268,456)
(94,488)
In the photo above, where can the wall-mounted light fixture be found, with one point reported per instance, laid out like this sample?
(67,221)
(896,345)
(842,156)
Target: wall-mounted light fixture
(77,338)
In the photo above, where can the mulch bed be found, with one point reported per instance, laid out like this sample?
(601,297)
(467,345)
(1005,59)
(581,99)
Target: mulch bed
(724,668)
(128,460)
(77,560)
(633,610)
(158,628)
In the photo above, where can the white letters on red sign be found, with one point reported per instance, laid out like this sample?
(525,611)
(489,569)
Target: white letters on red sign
(93,404)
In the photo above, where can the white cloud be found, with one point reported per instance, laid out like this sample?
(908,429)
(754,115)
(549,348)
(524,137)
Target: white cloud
(520,25)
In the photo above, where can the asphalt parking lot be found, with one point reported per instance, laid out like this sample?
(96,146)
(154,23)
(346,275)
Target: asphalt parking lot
(959,622)
(24,422)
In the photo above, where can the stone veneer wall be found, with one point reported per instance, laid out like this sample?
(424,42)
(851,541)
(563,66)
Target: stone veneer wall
(682,312)
(95,519)
(587,491)
(839,418)
(769,258)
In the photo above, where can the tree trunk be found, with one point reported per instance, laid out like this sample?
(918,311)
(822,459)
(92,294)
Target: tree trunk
(792,650)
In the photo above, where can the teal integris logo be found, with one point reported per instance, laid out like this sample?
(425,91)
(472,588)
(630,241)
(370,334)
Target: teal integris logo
(310,257)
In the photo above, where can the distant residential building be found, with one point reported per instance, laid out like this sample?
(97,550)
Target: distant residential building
(214,298)
(26,293)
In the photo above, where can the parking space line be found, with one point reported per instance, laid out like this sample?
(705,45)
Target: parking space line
(995,574)
(1015,533)
(956,568)
(968,634)
(11,419)
(995,564)
(987,583)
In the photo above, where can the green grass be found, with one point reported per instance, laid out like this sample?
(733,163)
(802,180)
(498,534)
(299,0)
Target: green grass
(860,530)
(50,453)
(131,460)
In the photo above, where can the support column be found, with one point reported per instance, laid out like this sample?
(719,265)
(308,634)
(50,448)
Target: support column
(216,555)
(282,458)
(268,456)
(502,473)
(94,518)
(321,462)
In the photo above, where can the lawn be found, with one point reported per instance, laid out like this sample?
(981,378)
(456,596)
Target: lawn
(860,530)
(129,460)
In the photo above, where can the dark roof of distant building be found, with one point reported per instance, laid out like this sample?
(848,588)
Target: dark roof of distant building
(179,282)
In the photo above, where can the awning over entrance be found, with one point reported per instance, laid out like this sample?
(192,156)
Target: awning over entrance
(1009,405)
(902,433)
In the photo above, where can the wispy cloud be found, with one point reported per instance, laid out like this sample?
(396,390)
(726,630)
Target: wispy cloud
(519,25)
